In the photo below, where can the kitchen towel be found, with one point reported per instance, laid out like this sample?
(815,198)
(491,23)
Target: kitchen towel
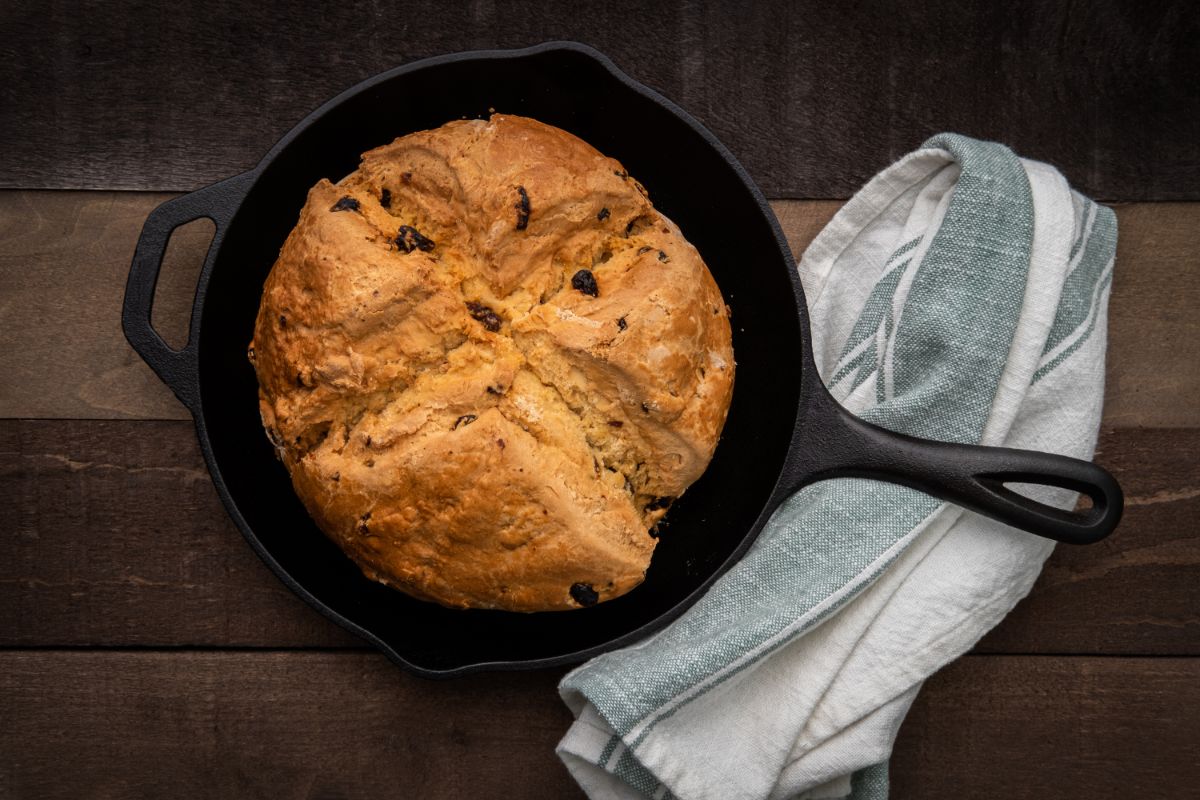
(961,295)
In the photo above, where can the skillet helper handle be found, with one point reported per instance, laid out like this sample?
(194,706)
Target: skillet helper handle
(176,368)
(971,476)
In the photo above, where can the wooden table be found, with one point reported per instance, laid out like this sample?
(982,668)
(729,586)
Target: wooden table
(145,651)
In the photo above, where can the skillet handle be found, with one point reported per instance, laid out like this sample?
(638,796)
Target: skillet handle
(176,368)
(840,444)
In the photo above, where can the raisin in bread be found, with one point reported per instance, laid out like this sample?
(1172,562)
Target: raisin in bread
(489,365)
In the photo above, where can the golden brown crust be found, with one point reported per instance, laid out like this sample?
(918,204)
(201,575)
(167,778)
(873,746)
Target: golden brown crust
(465,423)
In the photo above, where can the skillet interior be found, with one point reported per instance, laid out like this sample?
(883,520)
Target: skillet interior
(688,178)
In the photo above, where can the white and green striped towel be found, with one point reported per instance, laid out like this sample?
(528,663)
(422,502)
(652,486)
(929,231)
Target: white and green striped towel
(961,296)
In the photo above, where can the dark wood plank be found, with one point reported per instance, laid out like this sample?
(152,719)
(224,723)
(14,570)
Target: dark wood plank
(278,725)
(116,537)
(350,725)
(1135,592)
(813,97)
(1153,328)
(64,258)
(997,727)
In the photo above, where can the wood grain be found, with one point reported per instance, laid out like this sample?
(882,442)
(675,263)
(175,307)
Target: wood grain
(1135,592)
(64,258)
(813,97)
(116,537)
(272,725)
(996,727)
(119,570)
(350,725)
(1153,371)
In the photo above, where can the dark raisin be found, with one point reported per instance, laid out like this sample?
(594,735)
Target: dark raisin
(482,313)
(663,256)
(282,321)
(370,463)
(347,203)
(629,227)
(385,198)
(615,423)
(299,380)
(409,239)
(465,419)
(522,207)
(584,594)
(585,282)
(367,442)
(335,477)
(495,390)
(621,324)
(659,502)
(501,443)
(406,177)
(363,528)
(644,249)
(603,215)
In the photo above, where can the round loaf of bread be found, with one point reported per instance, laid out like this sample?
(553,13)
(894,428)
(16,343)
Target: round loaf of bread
(489,365)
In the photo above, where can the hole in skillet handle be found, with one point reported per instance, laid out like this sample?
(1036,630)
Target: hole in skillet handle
(178,276)
(176,367)
(830,442)
(1091,520)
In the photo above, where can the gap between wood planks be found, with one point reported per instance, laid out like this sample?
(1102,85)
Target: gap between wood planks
(363,649)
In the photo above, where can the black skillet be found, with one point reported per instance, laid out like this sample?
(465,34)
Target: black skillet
(784,430)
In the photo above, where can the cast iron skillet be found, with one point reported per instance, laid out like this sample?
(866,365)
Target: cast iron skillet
(784,429)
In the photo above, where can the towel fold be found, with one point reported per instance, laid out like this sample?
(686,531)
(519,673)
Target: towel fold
(962,296)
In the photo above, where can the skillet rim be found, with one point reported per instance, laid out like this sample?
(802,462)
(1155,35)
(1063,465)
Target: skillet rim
(248,181)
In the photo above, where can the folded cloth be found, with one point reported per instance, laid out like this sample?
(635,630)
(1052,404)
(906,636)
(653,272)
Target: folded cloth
(962,296)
